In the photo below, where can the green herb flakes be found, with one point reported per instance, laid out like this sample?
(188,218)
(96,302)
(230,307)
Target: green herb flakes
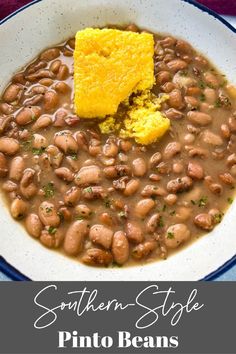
(52,230)
(49,190)
(170,235)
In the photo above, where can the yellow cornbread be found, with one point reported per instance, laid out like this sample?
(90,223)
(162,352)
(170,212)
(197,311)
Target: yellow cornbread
(144,122)
(109,65)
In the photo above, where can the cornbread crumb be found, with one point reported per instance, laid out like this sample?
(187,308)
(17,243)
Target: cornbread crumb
(109,65)
(145,123)
(109,125)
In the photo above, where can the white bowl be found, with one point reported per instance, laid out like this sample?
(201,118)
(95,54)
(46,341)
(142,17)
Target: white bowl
(45,23)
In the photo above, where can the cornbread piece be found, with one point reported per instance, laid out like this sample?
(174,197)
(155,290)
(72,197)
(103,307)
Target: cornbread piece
(145,123)
(109,65)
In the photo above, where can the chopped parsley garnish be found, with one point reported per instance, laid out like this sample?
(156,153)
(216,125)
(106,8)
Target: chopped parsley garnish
(203,201)
(172,212)
(218,218)
(202,97)
(183,73)
(52,230)
(26,145)
(107,203)
(230,200)
(202,85)
(193,202)
(88,190)
(170,235)
(164,207)
(74,157)
(38,151)
(218,103)
(122,214)
(79,217)
(161,222)
(49,190)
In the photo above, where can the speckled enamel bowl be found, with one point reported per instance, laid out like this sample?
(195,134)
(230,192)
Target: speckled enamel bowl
(47,22)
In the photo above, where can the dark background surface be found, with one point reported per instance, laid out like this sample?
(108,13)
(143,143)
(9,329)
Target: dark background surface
(226,7)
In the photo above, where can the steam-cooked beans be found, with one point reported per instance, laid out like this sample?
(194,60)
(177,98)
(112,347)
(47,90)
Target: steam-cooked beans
(105,199)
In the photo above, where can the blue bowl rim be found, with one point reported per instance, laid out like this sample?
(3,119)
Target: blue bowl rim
(12,272)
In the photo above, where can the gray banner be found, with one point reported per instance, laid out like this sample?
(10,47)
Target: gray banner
(117,317)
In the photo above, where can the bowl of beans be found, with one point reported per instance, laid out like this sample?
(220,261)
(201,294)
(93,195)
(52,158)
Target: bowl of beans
(78,203)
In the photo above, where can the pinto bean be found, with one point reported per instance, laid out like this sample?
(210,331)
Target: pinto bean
(231,160)
(65,213)
(9,146)
(232,124)
(3,166)
(211,138)
(46,82)
(204,221)
(174,114)
(94,192)
(55,65)
(153,223)
(176,234)
(132,28)
(163,77)
(168,42)
(120,247)
(134,232)
(195,170)
(176,99)
(50,54)
(63,72)
(178,167)
(39,141)
(52,240)
(155,159)
(62,88)
(189,138)
(88,175)
(117,171)
(83,210)
(125,145)
(72,196)
(183,213)
(33,225)
(210,95)
(97,257)
(199,118)
(144,249)
(74,238)
(54,156)
(225,131)
(143,207)
(185,82)
(227,178)
(48,214)
(211,80)
(27,115)
(110,149)
(151,190)
(6,108)
(65,142)
(139,167)
(42,122)
(12,93)
(65,174)
(17,167)
(51,100)
(101,235)
(131,187)
(179,185)
(176,65)
(18,208)
(198,152)
(171,150)
(9,186)
(171,199)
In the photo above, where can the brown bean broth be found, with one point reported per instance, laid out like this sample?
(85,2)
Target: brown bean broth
(170,214)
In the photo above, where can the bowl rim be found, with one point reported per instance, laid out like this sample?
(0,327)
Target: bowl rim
(15,274)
